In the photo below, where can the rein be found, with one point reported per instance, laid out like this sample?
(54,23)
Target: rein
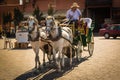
(66,39)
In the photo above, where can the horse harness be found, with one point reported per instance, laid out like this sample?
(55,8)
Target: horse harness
(59,36)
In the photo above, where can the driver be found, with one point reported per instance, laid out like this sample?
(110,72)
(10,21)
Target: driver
(74,14)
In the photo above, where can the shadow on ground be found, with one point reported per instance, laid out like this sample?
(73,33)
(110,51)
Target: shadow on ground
(22,48)
(49,72)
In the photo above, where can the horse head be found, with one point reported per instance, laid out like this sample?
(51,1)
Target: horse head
(32,21)
(50,23)
(33,28)
(52,27)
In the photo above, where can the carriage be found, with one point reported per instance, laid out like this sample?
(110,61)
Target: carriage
(63,40)
(80,38)
(22,35)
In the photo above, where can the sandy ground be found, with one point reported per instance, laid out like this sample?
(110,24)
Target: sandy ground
(18,64)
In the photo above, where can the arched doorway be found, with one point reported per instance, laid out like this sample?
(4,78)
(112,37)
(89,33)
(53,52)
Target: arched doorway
(99,15)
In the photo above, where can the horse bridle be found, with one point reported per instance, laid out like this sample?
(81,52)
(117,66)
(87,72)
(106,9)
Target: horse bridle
(30,32)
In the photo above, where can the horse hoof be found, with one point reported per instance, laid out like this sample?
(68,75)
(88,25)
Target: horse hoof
(35,67)
(50,62)
(78,60)
(71,65)
(59,70)
(62,66)
(37,71)
(39,68)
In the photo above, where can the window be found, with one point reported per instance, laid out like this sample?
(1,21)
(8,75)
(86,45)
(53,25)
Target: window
(117,28)
(116,13)
(112,27)
(21,2)
(27,1)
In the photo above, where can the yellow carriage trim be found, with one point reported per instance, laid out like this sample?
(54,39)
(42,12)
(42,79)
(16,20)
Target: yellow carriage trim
(82,31)
(71,26)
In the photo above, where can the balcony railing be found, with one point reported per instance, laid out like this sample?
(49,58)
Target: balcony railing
(98,2)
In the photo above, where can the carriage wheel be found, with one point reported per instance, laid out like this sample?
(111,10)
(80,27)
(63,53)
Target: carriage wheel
(79,51)
(91,46)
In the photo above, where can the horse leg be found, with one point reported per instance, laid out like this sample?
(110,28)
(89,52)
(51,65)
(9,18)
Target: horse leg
(63,60)
(70,56)
(43,58)
(50,54)
(37,57)
(54,57)
(37,61)
(59,61)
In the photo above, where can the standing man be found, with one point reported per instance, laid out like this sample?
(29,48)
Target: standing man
(85,29)
(74,14)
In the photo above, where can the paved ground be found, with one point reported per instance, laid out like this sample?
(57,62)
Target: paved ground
(18,64)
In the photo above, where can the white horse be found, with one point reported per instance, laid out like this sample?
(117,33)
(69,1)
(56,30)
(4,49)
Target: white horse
(60,37)
(35,38)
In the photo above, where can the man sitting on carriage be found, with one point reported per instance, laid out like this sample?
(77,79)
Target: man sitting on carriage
(74,14)
(81,24)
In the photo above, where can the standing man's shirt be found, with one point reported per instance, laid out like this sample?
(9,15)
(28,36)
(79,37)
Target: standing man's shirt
(88,21)
(73,15)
